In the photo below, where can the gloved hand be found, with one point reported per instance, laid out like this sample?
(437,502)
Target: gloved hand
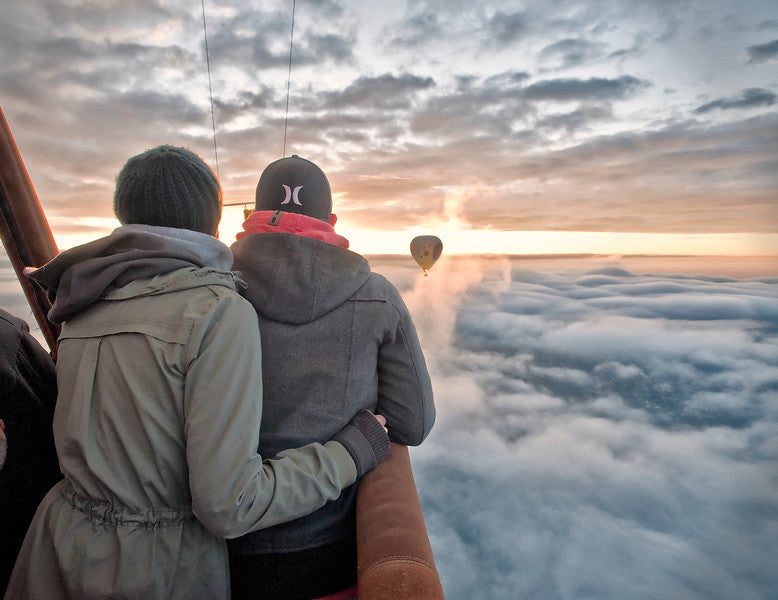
(366,440)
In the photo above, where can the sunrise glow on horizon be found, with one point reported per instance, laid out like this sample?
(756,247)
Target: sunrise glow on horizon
(569,242)
(458,241)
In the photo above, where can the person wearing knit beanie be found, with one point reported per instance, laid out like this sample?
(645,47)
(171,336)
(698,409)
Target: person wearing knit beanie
(168,186)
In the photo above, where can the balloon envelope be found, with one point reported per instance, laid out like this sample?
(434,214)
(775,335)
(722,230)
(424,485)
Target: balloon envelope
(426,249)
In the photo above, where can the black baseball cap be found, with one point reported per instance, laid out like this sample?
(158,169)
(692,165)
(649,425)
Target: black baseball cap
(296,185)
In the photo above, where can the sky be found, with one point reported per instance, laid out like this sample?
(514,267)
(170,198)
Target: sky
(606,428)
(595,126)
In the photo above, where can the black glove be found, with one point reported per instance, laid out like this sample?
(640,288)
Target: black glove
(366,440)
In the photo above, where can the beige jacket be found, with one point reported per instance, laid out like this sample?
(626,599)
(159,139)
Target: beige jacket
(156,428)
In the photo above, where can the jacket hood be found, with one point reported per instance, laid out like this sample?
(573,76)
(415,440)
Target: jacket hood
(132,254)
(296,279)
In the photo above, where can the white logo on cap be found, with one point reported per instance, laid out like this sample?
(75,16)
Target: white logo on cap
(292,195)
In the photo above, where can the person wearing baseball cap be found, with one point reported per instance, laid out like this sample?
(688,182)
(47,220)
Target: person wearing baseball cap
(336,338)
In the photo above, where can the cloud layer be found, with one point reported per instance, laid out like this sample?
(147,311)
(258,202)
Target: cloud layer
(601,433)
(594,116)
(604,430)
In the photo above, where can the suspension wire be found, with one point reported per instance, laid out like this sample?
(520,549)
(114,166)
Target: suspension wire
(210,91)
(288,78)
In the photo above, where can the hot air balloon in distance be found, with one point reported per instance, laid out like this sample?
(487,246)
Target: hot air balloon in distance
(426,249)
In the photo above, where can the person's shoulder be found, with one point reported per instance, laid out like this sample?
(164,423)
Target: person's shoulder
(220,314)
(9,320)
(205,282)
(180,297)
(12,327)
(378,287)
(227,296)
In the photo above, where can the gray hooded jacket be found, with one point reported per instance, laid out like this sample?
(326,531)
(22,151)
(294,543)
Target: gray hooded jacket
(336,338)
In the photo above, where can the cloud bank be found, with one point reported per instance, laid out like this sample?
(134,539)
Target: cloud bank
(601,433)
(605,429)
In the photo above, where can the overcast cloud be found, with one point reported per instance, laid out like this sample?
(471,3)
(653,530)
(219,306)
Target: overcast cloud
(568,116)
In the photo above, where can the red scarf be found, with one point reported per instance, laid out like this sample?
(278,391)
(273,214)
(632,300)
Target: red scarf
(259,222)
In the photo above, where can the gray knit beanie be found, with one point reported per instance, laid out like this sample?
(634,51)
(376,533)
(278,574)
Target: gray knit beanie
(169,187)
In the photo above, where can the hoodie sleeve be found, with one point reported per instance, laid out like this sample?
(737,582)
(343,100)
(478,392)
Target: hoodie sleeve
(233,490)
(404,387)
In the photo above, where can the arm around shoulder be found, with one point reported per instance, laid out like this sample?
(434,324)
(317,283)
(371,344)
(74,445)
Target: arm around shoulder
(234,491)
